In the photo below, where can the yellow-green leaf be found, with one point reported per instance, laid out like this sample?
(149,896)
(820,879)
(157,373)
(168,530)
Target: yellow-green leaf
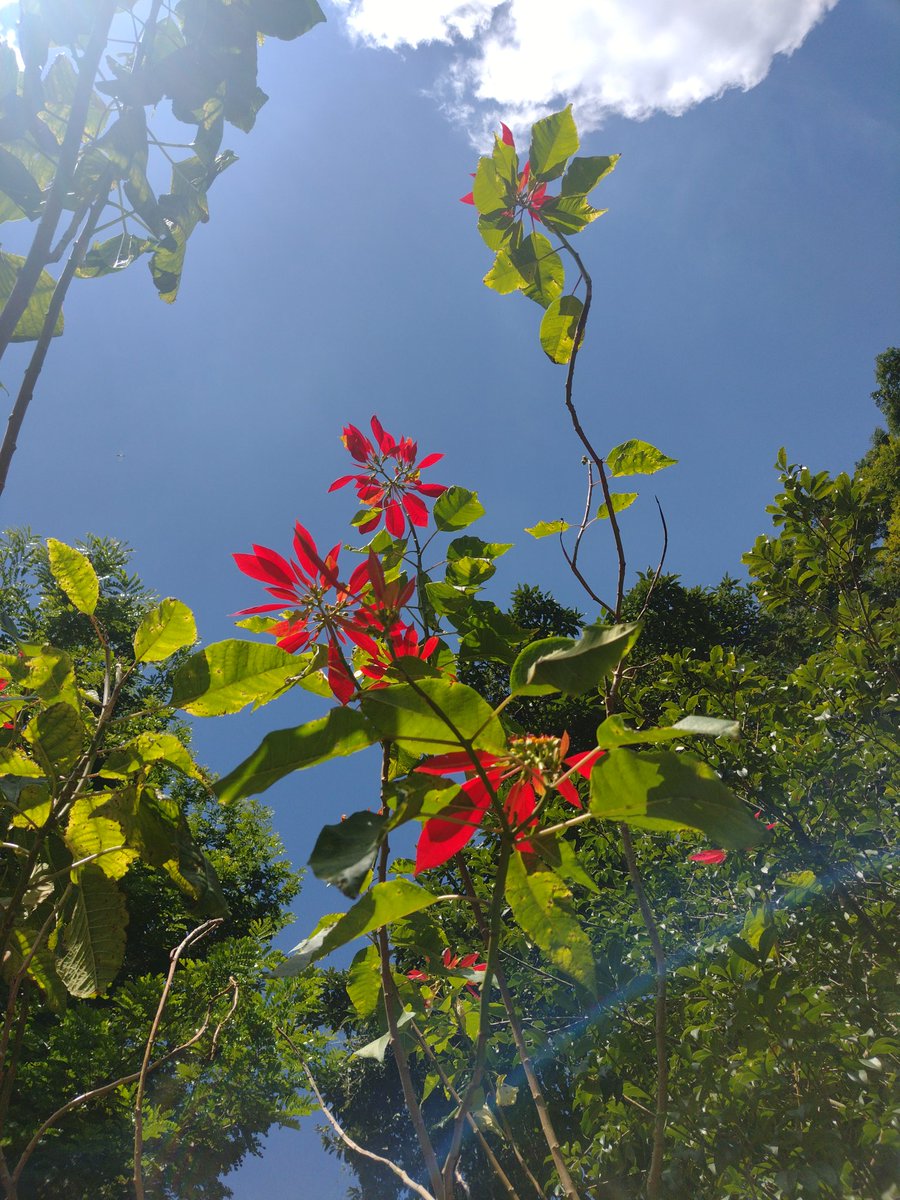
(166,628)
(75,575)
(31,323)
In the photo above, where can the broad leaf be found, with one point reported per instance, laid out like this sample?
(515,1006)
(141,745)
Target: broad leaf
(541,267)
(547,528)
(614,732)
(426,717)
(167,627)
(31,323)
(343,731)
(489,191)
(456,509)
(93,939)
(378,1048)
(345,853)
(637,458)
(542,907)
(383,903)
(583,666)
(518,675)
(553,141)
(229,675)
(93,828)
(584,174)
(620,501)
(504,276)
(75,575)
(25,944)
(147,749)
(656,789)
(364,982)
(473,547)
(559,326)
(56,735)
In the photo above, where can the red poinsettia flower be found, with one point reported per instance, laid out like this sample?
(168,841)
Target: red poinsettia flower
(713,857)
(469,962)
(402,642)
(391,479)
(531,766)
(530,198)
(321,603)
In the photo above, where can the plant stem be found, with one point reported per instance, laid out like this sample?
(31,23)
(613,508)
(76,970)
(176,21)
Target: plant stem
(470,1120)
(33,371)
(345,1137)
(654,1177)
(498,901)
(391,1005)
(566,1182)
(38,255)
(194,936)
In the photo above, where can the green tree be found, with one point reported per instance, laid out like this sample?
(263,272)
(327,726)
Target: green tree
(208,1107)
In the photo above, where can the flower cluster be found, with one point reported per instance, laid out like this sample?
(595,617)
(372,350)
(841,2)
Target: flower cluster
(530,197)
(452,962)
(320,602)
(390,482)
(531,766)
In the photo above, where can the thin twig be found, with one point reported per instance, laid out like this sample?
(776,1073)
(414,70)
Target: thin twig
(515,1025)
(30,273)
(654,1176)
(392,1004)
(662,559)
(194,936)
(348,1141)
(470,1120)
(106,1088)
(54,308)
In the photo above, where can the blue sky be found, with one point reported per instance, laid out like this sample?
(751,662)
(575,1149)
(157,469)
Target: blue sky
(745,278)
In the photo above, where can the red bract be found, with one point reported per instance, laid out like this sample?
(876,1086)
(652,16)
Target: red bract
(709,857)
(530,197)
(320,601)
(531,766)
(403,642)
(391,479)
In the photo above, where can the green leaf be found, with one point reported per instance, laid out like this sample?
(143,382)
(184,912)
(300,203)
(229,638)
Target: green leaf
(229,675)
(383,903)
(614,732)
(656,789)
(518,675)
(57,735)
(584,174)
(113,255)
(345,853)
(489,191)
(473,547)
(568,214)
(562,858)
(378,1048)
(456,509)
(364,982)
(167,627)
(553,140)
(17,182)
(93,939)
(25,944)
(286,19)
(637,458)
(620,501)
(409,715)
(93,828)
(342,731)
(559,326)
(31,323)
(583,666)
(541,267)
(485,631)
(547,528)
(542,907)
(75,575)
(504,276)
(145,750)
(469,573)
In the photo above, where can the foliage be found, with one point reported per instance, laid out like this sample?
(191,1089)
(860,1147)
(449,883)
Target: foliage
(67,1048)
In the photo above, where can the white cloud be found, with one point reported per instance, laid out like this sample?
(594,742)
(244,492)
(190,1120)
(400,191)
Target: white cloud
(519,59)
